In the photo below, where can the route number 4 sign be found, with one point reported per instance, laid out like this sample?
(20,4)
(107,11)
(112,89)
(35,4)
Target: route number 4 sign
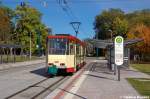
(119,50)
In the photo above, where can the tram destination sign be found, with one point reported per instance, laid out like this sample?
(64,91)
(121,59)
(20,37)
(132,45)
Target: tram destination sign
(119,50)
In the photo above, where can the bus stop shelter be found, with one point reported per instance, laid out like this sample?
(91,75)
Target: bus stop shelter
(8,52)
(109,46)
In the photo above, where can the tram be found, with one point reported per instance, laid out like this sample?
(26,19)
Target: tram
(65,54)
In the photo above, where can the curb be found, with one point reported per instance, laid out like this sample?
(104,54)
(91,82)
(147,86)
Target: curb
(19,64)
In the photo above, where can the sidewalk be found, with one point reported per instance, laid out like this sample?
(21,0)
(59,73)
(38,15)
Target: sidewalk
(95,81)
(18,64)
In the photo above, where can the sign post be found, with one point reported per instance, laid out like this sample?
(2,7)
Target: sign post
(119,53)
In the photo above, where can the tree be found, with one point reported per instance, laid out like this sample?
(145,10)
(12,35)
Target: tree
(120,27)
(104,22)
(140,16)
(139,27)
(29,24)
(6,25)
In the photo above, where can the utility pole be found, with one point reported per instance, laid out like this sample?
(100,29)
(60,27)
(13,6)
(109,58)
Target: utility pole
(75,26)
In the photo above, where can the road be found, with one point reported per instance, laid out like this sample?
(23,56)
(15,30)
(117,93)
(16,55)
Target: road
(19,78)
(15,79)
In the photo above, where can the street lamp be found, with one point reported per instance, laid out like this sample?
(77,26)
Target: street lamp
(75,26)
(38,42)
(97,47)
(30,46)
(111,33)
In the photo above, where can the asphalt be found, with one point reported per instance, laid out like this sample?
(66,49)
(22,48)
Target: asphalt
(20,76)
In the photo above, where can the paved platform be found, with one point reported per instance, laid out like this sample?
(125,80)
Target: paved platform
(95,81)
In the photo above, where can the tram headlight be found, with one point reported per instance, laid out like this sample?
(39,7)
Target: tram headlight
(50,64)
(62,64)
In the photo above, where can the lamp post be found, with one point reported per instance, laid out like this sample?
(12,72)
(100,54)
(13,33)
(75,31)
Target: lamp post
(30,47)
(111,66)
(39,42)
(111,33)
(23,4)
(97,48)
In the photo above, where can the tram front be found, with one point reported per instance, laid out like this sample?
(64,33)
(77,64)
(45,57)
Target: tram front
(58,58)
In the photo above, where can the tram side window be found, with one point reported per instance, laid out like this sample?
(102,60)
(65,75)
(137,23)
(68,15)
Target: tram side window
(58,46)
(72,49)
(78,50)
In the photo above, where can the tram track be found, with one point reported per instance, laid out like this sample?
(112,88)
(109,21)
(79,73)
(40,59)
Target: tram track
(40,89)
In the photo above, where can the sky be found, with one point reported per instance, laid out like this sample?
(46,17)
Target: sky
(83,11)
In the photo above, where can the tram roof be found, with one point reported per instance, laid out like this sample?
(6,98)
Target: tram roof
(69,37)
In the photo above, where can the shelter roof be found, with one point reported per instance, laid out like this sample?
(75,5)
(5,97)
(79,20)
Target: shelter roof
(109,43)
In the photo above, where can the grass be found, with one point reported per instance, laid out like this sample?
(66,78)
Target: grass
(145,68)
(142,85)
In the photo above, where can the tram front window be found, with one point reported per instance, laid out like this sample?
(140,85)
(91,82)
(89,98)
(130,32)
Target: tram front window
(58,46)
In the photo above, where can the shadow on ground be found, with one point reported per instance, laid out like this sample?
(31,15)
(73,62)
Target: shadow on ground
(40,72)
(101,69)
(101,77)
(81,97)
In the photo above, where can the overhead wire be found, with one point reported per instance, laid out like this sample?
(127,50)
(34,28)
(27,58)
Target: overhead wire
(66,8)
(94,1)
(70,1)
(70,10)
(64,4)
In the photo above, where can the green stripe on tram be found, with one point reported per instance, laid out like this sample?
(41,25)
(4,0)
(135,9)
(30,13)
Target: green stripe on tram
(52,70)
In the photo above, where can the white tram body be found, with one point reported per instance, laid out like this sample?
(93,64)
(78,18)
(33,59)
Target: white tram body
(65,54)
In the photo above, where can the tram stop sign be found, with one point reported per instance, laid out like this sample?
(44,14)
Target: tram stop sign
(119,50)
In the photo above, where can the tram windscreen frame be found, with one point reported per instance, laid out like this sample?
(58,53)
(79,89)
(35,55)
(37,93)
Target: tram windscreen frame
(58,46)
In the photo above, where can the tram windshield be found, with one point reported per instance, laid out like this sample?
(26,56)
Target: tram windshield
(58,46)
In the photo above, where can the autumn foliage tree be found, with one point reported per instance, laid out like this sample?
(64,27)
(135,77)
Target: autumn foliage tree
(5,24)
(139,27)
(141,31)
